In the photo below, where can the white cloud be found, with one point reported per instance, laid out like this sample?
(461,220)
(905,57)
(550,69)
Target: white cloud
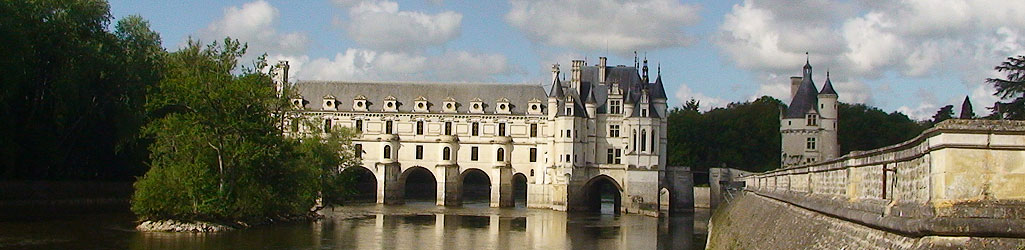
(685,94)
(864,40)
(922,112)
(380,25)
(619,26)
(253,23)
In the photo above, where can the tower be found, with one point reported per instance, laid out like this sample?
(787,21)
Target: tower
(828,120)
(809,125)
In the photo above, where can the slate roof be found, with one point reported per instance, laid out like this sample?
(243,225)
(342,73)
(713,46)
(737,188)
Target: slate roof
(828,88)
(630,83)
(519,95)
(966,109)
(806,97)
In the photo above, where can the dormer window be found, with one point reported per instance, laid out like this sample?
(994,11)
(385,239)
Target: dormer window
(569,110)
(359,103)
(813,120)
(449,105)
(535,106)
(477,106)
(420,104)
(390,104)
(644,112)
(298,103)
(329,103)
(615,106)
(503,106)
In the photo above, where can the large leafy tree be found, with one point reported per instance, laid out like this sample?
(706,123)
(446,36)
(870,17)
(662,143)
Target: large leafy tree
(72,91)
(863,127)
(219,150)
(1010,89)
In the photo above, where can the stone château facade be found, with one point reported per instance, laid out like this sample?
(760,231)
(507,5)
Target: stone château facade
(603,129)
(808,126)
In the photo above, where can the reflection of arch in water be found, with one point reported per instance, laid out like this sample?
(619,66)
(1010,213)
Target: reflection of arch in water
(664,199)
(419,184)
(364,185)
(603,189)
(519,183)
(476,186)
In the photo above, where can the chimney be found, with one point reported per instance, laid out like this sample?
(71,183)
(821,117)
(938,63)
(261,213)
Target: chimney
(555,72)
(576,73)
(280,76)
(795,83)
(601,69)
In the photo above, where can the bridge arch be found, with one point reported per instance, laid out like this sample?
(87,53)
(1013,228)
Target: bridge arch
(364,183)
(419,184)
(601,190)
(476,186)
(519,184)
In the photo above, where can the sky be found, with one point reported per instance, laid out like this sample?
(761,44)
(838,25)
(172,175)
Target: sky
(912,56)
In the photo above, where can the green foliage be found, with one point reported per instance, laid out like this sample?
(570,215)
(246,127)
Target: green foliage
(741,135)
(945,113)
(219,151)
(865,128)
(746,135)
(1010,89)
(71,104)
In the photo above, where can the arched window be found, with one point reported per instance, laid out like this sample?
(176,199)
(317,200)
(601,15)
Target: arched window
(644,135)
(501,154)
(448,128)
(387,127)
(446,153)
(501,129)
(635,139)
(387,151)
(359,125)
(475,129)
(419,127)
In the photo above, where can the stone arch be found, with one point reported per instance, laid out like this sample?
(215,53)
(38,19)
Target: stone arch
(664,199)
(365,184)
(419,184)
(599,191)
(476,186)
(519,184)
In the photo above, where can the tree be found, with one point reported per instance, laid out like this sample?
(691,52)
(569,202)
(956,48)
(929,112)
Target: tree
(945,112)
(862,127)
(1010,89)
(219,152)
(71,104)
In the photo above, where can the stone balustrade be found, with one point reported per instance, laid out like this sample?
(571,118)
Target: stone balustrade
(961,177)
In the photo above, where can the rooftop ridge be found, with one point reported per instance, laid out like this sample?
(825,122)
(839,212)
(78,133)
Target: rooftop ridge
(419,83)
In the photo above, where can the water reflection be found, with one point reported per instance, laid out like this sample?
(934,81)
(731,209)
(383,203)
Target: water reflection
(412,226)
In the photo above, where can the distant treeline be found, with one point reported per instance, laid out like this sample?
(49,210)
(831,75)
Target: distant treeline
(746,135)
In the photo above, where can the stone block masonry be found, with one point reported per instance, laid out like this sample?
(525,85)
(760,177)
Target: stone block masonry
(959,178)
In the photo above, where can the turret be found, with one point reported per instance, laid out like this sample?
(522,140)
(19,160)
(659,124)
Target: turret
(590,104)
(966,109)
(828,116)
(555,94)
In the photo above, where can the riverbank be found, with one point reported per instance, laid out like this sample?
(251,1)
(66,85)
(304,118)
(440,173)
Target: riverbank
(62,198)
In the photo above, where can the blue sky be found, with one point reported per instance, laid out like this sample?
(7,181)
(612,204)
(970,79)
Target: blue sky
(913,56)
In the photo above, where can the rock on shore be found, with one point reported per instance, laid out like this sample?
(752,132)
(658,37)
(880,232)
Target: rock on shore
(181,226)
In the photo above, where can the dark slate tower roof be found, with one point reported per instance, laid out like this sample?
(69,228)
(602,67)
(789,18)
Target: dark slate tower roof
(966,109)
(828,88)
(556,89)
(805,99)
(658,91)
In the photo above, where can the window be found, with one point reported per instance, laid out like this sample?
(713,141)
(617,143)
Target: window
(501,129)
(387,127)
(533,130)
(614,107)
(644,135)
(644,112)
(448,128)
(327,126)
(359,125)
(446,154)
(531,172)
(608,158)
(295,125)
(811,143)
(473,154)
(813,120)
(419,128)
(387,152)
(419,152)
(475,129)
(613,130)
(574,158)
(569,110)
(359,151)
(533,154)
(569,133)
(653,140)
(618,158)
(635,138)
(500,155)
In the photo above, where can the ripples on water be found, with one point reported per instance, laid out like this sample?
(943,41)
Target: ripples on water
(372,226)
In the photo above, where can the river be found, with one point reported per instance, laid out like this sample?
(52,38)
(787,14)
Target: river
(372,226)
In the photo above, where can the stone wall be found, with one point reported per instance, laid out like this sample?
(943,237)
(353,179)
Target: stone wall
(753,221)
(961,177)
